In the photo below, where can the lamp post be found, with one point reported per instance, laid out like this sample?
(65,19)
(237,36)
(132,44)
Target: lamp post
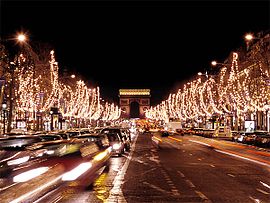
(4,108)
(51,113)
(21,38)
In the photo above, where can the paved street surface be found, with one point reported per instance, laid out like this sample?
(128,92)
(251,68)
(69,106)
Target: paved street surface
(185,169)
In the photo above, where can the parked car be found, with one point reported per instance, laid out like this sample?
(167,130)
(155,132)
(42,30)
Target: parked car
(208,133)
(180,131)
(250,137)
(237,136)
(223,132)
(262,139)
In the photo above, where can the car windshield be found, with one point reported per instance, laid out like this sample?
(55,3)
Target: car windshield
(113,137)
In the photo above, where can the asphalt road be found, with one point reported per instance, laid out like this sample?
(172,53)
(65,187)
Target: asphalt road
(184,169)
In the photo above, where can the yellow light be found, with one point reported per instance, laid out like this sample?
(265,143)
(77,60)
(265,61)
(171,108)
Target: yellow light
(100,156)
(249,37)
(214,63)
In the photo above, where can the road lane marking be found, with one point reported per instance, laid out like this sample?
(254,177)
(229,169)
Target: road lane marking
(262,191)
(231,175)
(181,174)
(241,157)
(202,143)
(190,183)
(173,138)
(265,185)
(212,165)
(116,193)
(255,200)
(170,183)
(202,196)
(157,188)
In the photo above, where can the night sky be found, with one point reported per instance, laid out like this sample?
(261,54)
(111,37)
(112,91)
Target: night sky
(136,44)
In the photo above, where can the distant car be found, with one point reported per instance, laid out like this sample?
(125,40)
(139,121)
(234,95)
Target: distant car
(117,143)
(208,133)
(122,133)
(223,132)
(180,131)
(165,134)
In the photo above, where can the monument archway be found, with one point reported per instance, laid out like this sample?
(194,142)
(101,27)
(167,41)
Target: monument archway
(134,102)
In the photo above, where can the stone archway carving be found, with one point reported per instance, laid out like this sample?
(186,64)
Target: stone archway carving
(127,96)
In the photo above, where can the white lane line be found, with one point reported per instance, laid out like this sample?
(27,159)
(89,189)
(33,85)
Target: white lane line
(116,194)
(202,143)
(181,174)
(241,157)
(212,165)
(231,175)
(190,183)
(157,188)
(262,191)
(265,185)
(201,195)
(255,200)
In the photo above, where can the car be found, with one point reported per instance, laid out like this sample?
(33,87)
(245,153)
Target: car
(180,131)
(262,139)
(237,136)
(72,160)
(122,133)
(208,133)
(223,132)
(165,133)
(117,143)
(250,137)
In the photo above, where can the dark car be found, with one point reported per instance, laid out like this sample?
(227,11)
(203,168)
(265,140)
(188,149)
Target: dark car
(250,137)
(262,139)
(124,136)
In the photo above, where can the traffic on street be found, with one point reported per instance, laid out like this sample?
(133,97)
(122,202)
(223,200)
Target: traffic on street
(159,166)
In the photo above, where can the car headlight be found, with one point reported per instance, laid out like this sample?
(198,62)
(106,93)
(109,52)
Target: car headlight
(116,146)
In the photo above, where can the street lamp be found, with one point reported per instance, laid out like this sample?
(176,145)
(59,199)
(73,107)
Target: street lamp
(21,38)
(205,74)
(215,63)
(4,108)
(72,76)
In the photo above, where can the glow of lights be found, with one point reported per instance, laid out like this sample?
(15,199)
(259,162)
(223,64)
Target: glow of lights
(249,37)
(28,175)
(116,146)
(214,63)
(21,38)
(18,161)
(76,172)
(100,156)
(130,92)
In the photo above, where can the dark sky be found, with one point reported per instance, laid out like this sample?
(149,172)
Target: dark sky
(137,44)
